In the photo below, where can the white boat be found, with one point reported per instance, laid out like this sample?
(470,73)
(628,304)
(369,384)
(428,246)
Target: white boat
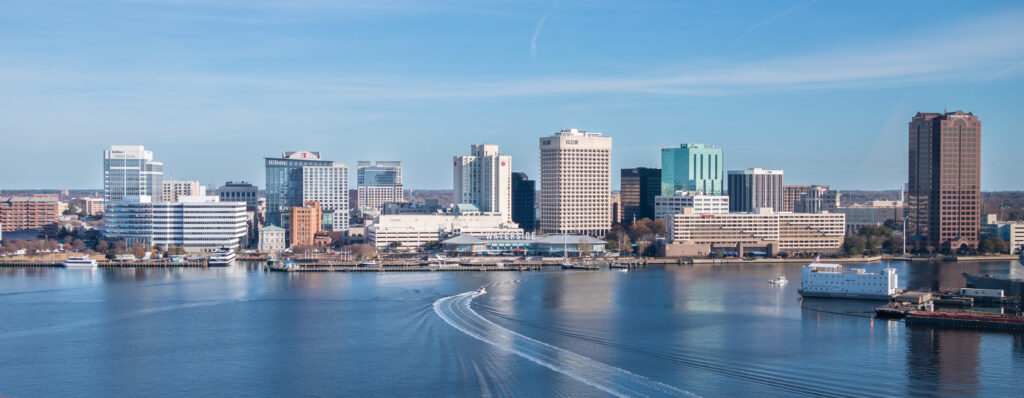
(831,280)
(441,260)
(779,280)
(370,264)
(83,262)
(221,257)
(481,290)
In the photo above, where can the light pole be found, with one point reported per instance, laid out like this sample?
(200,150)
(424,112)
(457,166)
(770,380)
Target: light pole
(905,218)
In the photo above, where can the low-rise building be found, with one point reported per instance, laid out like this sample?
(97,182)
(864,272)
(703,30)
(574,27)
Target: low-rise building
(1013,233)
(701,203)
(526,244)
(763,231)
(873,214)
(304,223)
(272,239)
(193,223)
(173,189)
(20,213)
(410,231)
(93,206)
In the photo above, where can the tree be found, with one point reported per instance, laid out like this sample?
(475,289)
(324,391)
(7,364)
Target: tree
(993,245)
(78,245)
(584,247)
(102,246)
(855,245)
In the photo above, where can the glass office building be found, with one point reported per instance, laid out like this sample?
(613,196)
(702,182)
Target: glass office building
(692,167)
(284,182)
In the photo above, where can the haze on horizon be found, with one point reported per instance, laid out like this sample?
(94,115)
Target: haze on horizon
(823,90)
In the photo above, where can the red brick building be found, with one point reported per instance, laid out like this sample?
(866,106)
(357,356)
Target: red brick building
(21,213)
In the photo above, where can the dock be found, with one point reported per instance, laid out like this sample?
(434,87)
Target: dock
(409,268)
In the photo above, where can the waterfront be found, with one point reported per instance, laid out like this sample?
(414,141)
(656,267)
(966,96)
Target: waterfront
(705,329)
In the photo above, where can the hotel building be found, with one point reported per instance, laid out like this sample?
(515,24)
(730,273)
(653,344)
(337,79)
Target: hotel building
(194,223)
(129,170)
(302,176)
(755,188)
(944,181)
(484,179)
(378,183)
(575,183)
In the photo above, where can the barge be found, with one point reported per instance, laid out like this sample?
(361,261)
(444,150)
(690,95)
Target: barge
(966,320)
(832,281)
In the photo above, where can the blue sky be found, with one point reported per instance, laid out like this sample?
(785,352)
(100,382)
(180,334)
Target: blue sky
(820,89)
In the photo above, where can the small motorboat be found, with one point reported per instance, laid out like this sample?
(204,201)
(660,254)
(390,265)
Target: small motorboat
(779,280)
(481,290)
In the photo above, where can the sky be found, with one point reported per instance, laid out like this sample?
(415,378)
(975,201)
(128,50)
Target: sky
(820,89)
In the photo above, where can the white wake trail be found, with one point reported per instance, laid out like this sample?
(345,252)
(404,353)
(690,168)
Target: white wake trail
(456,312)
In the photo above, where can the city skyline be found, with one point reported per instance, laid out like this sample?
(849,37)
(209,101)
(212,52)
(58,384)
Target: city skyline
(289,78)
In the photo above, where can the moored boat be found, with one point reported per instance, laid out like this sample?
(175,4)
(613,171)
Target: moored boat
(222,257)
(832,281)
(83,262)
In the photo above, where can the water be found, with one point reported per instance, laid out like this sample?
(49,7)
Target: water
(663,331)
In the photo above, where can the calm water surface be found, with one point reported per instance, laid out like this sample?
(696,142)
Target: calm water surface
(704,330)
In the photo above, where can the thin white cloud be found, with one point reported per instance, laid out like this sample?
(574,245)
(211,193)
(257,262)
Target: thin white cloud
(777,16)
(536,34)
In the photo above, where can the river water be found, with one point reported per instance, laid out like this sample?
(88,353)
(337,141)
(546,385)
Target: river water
(662,331)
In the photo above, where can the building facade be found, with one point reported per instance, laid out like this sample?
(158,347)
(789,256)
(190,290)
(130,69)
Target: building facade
(692,167)
(328,185)
(575,183)
(638,187)
(284,185)
(378,183)
(93,206)
(484,179)
(129,170)
(791,194)
(194,223)
(527,244)
(873,214)
(817,199)
(699,202)
(19,213)
(304,223)
(766,232)
(172,189)
(240,192)
(944,180)
(755,188)
(524,201)
(411,231)
(272,239)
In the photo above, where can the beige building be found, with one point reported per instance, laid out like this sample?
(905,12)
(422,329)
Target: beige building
(93,206)
(701,203)
(691,235)
(412,231)
(174,189)
(484,179)
(874,214)
(575,183)
(272,239)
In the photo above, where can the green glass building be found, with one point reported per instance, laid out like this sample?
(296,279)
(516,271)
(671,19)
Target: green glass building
(692,167)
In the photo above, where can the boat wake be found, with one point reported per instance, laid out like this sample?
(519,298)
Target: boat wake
(455,311)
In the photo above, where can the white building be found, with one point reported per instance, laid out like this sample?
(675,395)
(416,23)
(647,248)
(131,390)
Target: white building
(692,234)
(329,186)
(416,230)
(484,179)
(272,239)
(377,184)
(575,183)
(194,223)
(873,214)
(173,189)
(129,170)
(701,203)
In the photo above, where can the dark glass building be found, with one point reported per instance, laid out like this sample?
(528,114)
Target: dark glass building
(639,186)
(524,198)
(944,181)
(284,182)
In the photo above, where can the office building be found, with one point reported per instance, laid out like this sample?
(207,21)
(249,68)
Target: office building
(328,185)
(873,214)
(304,223)
(411,231)
(692,167)
(817,199)
(129,170)
(193,223)
(791,194)
(272,239)
(755,188)
(22,213)
(944,181)
(240,192)
(377,184)
(638,187)
(484,179)
(759,232)
(172,189)
(524,202)
(575,183)
(93,206)
(699,202)
(616,208)
(285,187)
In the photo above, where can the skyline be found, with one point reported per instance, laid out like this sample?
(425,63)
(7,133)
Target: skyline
(212,88)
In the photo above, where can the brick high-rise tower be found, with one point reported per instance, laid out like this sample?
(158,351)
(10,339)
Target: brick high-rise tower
(944,180)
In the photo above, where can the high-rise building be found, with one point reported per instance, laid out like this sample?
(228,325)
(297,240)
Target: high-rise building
(616,208)
(575,183)
(818,199)
(328,185)
(665,206)
(378,183)
(484,179)
(240,192)
(22,213)
(792,194)
(639,186)
(172,189)
(304,223)
(194,223)
(754,189)
(692,167)
(524,201)
(284,183)
(944,180)
(129,170)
